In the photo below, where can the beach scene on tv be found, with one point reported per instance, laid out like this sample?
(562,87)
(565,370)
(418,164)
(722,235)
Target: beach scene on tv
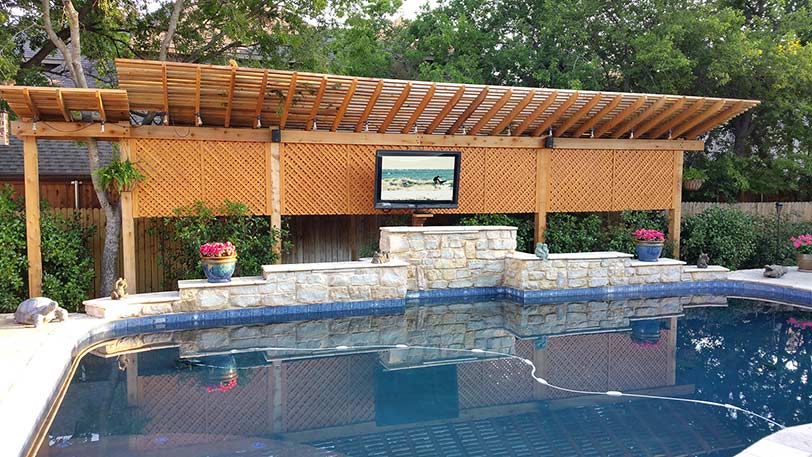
(417,178)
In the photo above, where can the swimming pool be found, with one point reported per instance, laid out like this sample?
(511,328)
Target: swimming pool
(486,378)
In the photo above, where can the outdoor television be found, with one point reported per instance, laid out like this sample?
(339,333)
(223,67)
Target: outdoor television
(417,179)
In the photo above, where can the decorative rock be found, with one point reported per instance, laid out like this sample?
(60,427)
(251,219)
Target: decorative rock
(38,311)
(774,271)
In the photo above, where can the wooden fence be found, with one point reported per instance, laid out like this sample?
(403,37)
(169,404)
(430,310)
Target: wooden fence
(794,211)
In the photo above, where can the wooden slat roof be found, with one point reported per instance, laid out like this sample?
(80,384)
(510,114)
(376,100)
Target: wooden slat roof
(56,103)
(225,96)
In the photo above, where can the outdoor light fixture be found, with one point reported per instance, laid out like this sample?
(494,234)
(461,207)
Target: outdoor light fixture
(464,130)
(315,126)
(509,130)
(166,118)
(34,125)
(669,133)
(366,126)
(4,128)
(631,135)
(198,119)
(259,121)
(592,132)
(102,126)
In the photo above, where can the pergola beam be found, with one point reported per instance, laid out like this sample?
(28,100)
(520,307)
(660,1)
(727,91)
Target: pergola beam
(368,109)
(556,114)
(343,108)
(590,123)
(420,108)
(468,111)
(165,86)
(288,100)
(505,122)
(230,101)
(562,129)
(491,112)
(395,108)
(536,113)
(60,102)
(30,104)
(685,114)
(628,111)
(715,108)
(263,85)
(100,102)
(632,123)
(665,114)
(452,102)
(314,111)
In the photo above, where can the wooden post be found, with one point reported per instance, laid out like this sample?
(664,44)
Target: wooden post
(672,352)
(675,214)
(127,228)
(276,194)
(353,237)
(542,193)
(32,227)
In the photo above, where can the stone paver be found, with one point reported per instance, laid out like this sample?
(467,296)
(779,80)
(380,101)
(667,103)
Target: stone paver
(790,442)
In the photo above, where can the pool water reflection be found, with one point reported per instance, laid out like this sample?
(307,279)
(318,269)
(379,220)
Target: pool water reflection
(348,386)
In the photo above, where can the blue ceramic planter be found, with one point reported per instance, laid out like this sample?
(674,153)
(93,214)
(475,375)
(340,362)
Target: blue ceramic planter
(219,269)
(648,252)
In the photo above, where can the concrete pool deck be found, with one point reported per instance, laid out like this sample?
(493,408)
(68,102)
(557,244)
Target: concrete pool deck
(794,279)
(35,362)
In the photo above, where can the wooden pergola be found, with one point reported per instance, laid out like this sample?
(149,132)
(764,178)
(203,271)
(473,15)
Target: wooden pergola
(207,103)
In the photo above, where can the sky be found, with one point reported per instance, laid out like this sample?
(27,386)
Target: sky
(410,8)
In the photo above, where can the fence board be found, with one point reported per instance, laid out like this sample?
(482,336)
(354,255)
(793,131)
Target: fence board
(794,211)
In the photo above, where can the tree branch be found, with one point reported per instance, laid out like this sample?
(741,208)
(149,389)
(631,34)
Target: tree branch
(170,29)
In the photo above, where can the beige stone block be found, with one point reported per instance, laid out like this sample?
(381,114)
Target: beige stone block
(438,284)
(312,293)
(459,283)
(339,279)
(369,279)
(598,282)
(574,273)
(361,292)
(244,301)
(212,298)
(577,283)
(598,272)
(339,293)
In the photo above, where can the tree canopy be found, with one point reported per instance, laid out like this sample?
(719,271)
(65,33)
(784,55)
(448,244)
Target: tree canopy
(718,48)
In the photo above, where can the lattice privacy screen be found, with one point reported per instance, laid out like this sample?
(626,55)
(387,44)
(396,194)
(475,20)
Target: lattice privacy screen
(340,179)
(182,171)
(610,180)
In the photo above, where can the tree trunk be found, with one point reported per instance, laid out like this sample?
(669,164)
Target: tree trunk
(112,229)
(742,128)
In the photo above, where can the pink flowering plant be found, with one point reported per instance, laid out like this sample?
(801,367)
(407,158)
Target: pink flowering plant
(802,243)
(218,250)
(649,236)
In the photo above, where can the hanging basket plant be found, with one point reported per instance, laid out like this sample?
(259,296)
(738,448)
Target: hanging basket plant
(693,178)
(119,177)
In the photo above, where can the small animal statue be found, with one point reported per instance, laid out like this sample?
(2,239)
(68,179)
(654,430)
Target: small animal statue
(542,251)
(702,261)
(38,311)
(232,63)
(119,289)
(774,271)
(380,257)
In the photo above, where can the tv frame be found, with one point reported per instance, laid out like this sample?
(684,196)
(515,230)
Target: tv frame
(416,204)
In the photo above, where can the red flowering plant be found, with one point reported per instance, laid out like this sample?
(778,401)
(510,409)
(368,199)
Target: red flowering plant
(802,243)
(218,250)
(649,236)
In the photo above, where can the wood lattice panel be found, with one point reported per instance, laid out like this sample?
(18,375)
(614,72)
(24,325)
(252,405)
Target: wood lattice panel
(584,180)
(182,171)
(496,382)
(339,179)
(642,180)
(580,180)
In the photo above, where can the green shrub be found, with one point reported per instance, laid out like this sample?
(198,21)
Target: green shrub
(581,232)
(727,235)
(524,224)
(183,233)
(67,264)
(619,233)
(772,246)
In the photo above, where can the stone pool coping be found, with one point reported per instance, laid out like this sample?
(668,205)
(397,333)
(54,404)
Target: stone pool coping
(37,366)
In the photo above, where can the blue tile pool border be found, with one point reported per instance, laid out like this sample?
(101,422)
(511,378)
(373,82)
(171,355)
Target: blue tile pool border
(276,314)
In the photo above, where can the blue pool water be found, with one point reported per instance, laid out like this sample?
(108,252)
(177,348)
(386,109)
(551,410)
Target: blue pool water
(451,379)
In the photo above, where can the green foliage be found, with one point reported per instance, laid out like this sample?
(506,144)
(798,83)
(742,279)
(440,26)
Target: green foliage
(524,224)
(119,175)
(197,224)
(578,232)
(726,234)
(691,173)
(588,232)
(67,264)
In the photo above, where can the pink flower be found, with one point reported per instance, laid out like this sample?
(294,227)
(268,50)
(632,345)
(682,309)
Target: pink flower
(218,249)
(649,235)
(802,243)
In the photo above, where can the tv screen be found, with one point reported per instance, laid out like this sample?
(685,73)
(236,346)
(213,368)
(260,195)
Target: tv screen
(417,179)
